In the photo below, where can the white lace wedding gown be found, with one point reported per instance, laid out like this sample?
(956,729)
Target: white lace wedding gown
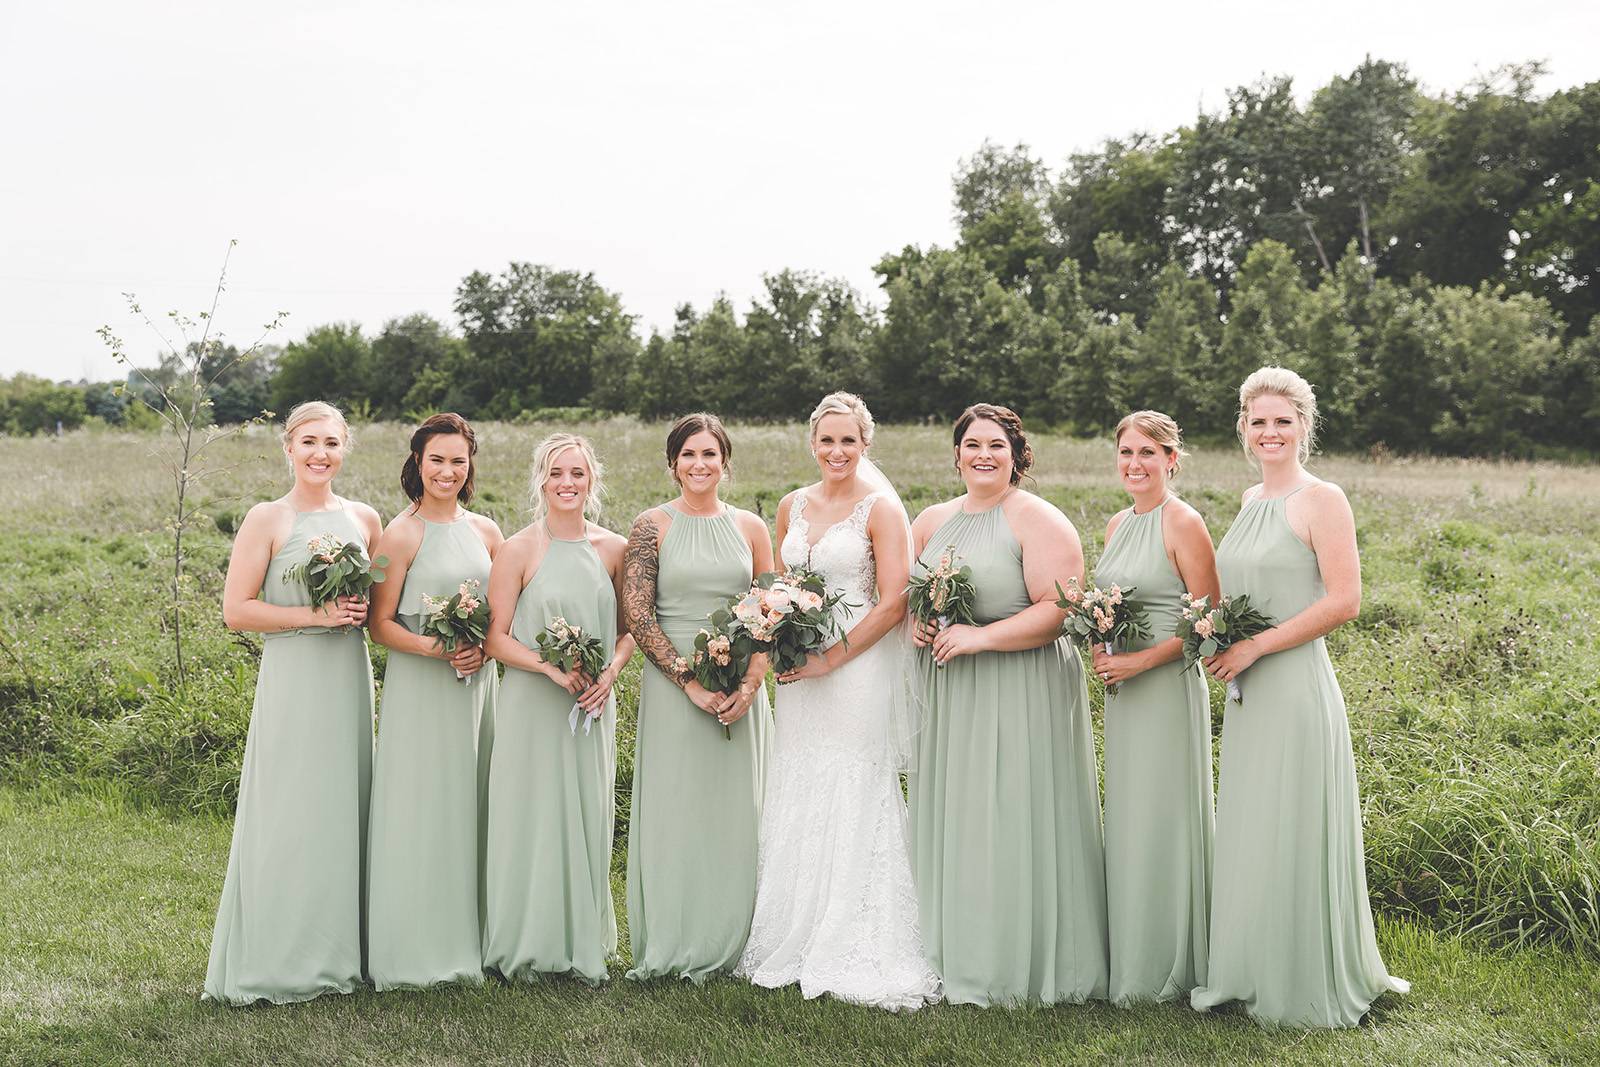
(835,907)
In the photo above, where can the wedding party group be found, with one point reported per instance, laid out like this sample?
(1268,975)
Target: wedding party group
(917,817)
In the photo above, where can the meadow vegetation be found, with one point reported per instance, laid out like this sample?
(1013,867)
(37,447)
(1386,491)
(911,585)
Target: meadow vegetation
(1472,678)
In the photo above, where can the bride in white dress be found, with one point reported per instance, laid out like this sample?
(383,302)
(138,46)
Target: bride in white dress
(835,907)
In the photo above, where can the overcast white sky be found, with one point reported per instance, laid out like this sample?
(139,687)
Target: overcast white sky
(368,155)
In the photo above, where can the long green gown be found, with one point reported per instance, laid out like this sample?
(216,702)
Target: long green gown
(1159,820)
(1291,929)
(696,794)
(1005,812)
(289,925)
(435,733)
(548,873)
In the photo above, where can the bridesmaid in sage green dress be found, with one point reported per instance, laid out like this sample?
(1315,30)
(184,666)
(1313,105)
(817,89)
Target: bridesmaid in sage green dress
(289,923)
(1005,813)
(1159,819)
(547,873)
(435,727)
(696,792)
(1291,929)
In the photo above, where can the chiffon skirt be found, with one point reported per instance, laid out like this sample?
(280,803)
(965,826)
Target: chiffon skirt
(290,920)
(551,807)
(1005,819)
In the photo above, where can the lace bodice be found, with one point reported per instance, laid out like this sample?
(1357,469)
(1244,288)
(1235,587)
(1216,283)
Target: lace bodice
(842,555)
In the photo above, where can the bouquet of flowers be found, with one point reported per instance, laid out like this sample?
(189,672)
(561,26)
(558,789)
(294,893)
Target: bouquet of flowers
(453,621)
(334,568)
(566,646)
(943,594)
(722,654)
(789,615)
(1207,630)
(1109,617)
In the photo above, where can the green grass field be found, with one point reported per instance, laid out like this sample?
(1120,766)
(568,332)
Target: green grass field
(1472,676)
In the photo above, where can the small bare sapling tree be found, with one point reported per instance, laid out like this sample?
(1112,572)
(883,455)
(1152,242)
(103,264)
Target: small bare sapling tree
(182,401)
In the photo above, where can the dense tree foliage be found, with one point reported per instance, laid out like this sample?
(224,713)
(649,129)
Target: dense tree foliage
(1428,262)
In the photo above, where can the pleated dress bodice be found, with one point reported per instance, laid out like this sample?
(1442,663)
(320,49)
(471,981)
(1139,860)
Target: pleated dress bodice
(1159,820)
(572,584)
(1136,558)
(296,549)
(983,541)
(1263,557)
(704,561)
(450,553)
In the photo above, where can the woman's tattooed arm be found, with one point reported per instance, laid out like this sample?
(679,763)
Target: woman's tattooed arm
(641,564)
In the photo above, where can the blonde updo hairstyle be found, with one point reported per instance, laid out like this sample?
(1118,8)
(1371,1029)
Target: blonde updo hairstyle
(545,454)
(1160,428)
(842,403)
(311,411)
(1280,381)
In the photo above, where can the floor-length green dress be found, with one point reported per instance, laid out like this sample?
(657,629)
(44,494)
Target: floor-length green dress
(1005,812)
(434,734)
(548,868)
(1159,819)
(696,794)
(1291,929)
(289,924)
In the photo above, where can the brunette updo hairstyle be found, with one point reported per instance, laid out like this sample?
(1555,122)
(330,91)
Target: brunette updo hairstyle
(1010,424)
(689,425)
(447,422)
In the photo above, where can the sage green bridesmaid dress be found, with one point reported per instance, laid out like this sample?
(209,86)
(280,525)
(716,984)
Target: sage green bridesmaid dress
(696,795)
(1005,809)
(1159,820)
(1291,929)
(289,925)
(548,871)
(435,733)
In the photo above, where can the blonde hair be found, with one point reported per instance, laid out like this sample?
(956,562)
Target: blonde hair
(545,454)
(1281,381)
(1160,428)
(311,411)
(842,403)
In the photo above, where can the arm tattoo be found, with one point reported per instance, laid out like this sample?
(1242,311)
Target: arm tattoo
(641,564)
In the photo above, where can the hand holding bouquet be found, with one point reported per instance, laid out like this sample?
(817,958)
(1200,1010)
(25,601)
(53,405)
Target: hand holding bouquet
(944,594)
(789,615)
(565,646)
(1208,630)
(453,621)
(336,568)
(1110,617)
(722,655)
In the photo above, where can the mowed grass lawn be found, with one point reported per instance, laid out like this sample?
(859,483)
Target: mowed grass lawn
(1472,677)
(107,922)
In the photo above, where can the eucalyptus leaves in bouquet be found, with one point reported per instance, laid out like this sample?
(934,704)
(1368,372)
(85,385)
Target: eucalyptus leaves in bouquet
(565,645)
(1208,629)
(333,568)
(1110,617)
(456,620)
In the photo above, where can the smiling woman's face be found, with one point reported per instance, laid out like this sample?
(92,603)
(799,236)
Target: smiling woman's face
(984,456)
(316,450)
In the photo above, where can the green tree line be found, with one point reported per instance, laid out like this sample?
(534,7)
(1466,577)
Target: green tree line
(1427,261)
